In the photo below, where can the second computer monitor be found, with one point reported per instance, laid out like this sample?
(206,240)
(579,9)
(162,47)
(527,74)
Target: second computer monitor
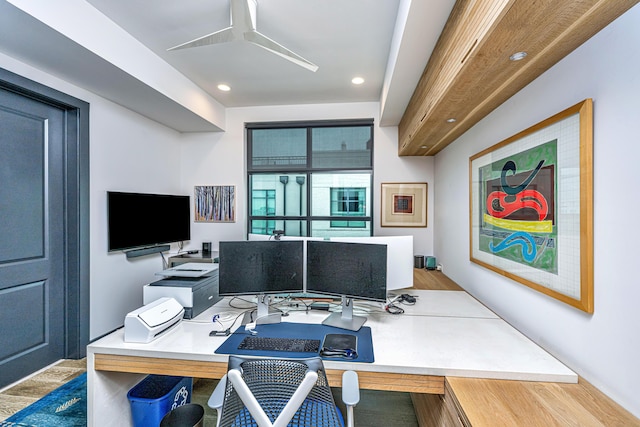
(260,267)
(354,270)
(350,270)
(399,257)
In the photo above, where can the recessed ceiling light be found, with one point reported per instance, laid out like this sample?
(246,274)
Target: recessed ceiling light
(424,146)
(518,56)
(451,120)
(357,80)
(223,87)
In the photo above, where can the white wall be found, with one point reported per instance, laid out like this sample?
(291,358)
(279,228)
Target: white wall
(219,159)
(604,347)
(128,153)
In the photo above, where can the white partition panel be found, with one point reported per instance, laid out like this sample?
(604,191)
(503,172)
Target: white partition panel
(399,257)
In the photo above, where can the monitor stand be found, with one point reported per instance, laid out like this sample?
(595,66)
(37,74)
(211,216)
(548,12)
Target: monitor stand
(345,319)
(264,314)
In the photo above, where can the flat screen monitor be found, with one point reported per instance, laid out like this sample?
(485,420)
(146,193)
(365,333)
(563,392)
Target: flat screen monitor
(399,257)
(138,220)
(260,268)
(350,270)
(304,259)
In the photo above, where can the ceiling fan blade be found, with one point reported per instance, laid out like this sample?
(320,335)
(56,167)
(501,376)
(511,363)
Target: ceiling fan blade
(243,27)
(270,45)
(243,14)
(222,36)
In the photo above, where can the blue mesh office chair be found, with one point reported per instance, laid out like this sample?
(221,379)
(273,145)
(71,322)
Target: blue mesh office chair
(267,392)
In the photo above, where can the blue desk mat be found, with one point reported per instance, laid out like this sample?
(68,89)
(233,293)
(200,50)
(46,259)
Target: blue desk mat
(299,330)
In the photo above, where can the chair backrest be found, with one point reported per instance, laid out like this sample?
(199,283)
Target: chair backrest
(273,384)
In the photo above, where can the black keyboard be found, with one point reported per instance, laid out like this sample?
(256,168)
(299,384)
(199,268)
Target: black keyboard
(280,344)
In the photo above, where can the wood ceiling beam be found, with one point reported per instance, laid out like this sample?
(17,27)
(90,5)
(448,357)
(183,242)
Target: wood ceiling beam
(469,73)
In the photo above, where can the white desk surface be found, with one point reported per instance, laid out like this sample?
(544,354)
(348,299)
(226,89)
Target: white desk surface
(447,333)
(445,304)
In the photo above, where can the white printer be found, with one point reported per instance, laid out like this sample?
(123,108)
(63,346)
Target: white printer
(152,320)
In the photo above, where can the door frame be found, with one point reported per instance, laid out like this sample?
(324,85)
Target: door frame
(76,205)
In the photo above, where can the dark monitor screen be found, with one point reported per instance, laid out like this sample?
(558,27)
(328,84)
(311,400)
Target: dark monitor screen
(355,270)
(260,267)
(138,219)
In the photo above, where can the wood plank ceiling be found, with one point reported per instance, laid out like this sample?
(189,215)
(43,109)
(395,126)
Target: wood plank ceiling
(469,73)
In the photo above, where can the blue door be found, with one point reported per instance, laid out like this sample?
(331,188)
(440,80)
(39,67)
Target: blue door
(32,235)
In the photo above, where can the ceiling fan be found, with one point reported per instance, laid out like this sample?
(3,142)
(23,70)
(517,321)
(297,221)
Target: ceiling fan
(243,28)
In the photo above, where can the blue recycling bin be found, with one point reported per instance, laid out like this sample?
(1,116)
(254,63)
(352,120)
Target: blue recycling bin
(156,395)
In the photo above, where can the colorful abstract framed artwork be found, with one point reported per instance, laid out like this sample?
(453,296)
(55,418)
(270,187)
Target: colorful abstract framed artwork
(531,207)
(403,204)
(215,203)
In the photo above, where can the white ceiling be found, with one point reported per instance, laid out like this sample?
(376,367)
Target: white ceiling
(387,42)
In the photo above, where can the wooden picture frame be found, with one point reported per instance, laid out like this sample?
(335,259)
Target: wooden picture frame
(215,203)
(403,204)
(531,207)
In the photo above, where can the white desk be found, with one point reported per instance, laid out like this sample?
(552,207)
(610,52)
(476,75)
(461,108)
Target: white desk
(444,304)
(444,334)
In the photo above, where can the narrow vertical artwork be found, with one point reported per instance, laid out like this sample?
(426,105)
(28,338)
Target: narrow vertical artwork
(215,203)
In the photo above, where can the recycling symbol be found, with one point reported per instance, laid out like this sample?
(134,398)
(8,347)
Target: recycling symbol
(180,398)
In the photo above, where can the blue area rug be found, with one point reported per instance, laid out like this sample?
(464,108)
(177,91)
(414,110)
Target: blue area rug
(65,406)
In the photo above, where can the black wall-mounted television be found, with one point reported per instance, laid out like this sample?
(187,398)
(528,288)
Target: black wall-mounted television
(137,220)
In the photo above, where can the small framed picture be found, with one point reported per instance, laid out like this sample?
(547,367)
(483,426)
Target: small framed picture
(215,203)
(403,204)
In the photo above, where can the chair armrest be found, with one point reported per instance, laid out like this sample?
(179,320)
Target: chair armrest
(350,388)
(217,397)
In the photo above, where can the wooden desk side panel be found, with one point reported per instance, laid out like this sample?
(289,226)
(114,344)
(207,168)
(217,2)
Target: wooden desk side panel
(215,370)
(433,410)
(158,366)
(392,382)
(497,403)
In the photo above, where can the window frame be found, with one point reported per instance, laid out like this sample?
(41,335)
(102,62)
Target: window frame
(359,191)
(307,170)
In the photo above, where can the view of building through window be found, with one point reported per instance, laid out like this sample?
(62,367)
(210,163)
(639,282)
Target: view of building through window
(310,179)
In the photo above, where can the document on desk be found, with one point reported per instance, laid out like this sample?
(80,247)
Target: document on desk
(362,353)
(189,269)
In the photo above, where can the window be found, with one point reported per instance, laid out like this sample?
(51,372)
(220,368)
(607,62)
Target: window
(348,202)
(310,179)
(264,204)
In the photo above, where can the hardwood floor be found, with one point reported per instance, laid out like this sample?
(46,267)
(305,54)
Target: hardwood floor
(30,389)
